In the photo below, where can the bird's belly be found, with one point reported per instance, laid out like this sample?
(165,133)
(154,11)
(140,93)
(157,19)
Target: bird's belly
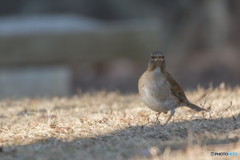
(159,99)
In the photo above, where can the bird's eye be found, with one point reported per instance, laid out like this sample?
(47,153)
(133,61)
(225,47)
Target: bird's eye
(152,57)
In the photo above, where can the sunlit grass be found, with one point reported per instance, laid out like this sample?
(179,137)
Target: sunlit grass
(110,125)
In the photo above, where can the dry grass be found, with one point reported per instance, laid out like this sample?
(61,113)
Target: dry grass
(115,126)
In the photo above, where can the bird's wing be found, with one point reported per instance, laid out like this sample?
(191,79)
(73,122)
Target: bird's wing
(176,90)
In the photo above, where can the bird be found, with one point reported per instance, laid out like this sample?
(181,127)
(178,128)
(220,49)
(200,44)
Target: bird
(158,89)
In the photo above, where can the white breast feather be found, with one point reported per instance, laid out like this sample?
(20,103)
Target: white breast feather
(151,101)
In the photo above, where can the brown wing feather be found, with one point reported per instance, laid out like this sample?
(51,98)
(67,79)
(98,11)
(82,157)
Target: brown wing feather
(176,89)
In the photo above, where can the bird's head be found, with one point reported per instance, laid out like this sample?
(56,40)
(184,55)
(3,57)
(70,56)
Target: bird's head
(157,59)
(157,56)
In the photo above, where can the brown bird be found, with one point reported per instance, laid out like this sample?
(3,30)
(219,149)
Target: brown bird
(159,91)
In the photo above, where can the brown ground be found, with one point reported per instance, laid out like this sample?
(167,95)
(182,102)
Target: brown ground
(114,126)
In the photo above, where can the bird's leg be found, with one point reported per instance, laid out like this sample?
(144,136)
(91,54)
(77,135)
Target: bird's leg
(157,115)
(172,113)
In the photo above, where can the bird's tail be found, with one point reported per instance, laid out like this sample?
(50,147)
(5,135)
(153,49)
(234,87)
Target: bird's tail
(195,107)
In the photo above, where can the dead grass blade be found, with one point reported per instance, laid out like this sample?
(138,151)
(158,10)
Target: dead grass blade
(61,129)
(205,101)
(35,123)
(217,115)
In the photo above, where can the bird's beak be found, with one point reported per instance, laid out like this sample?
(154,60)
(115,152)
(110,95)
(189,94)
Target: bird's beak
(159,59)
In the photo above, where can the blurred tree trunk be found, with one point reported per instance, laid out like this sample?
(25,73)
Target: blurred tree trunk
(219,23)
(200,25)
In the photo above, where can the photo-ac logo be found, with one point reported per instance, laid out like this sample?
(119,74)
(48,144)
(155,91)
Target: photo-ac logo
(224,154)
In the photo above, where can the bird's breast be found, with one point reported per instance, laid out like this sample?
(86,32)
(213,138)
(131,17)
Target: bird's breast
(154,91)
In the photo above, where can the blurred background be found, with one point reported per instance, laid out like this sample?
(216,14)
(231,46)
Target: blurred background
(65,47)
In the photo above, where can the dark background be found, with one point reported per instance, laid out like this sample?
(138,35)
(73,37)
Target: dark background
(106,44)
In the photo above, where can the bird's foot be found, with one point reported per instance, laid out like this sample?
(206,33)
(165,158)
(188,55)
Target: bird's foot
(157,120)
(172,113)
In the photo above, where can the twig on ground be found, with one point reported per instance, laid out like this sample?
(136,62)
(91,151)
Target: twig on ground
(218,115)
(208,109)
(154,122)
(205,101)
(111,112)
(191,116)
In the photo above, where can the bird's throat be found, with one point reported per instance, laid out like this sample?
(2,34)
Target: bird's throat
(152,65)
